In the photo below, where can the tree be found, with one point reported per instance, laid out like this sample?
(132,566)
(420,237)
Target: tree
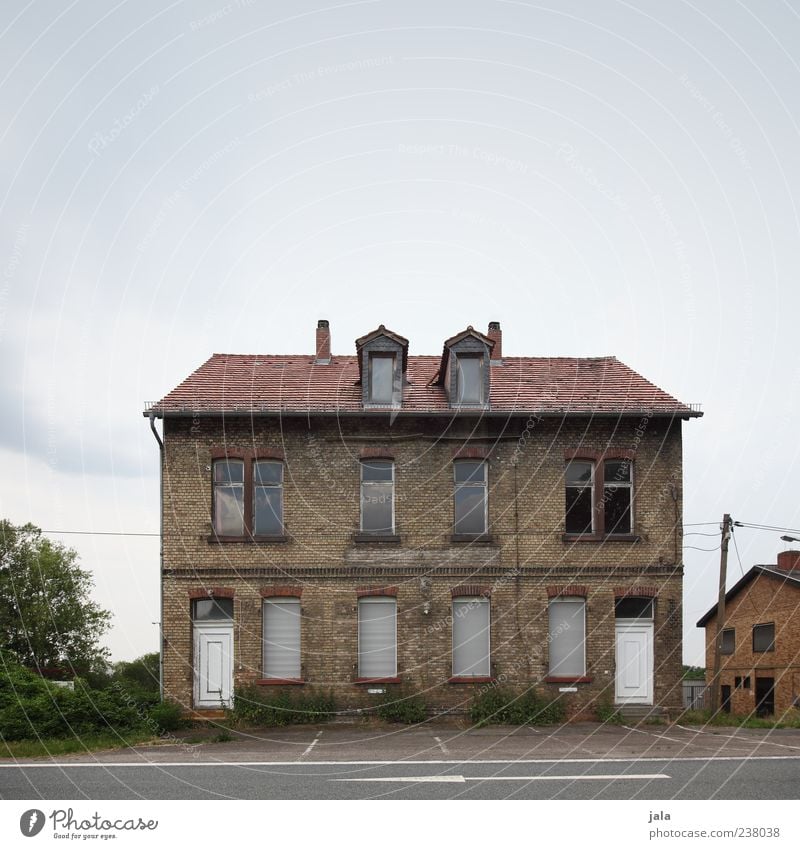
(47,618)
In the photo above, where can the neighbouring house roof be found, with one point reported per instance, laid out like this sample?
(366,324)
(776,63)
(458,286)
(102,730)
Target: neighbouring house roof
(263,384)
(770,571)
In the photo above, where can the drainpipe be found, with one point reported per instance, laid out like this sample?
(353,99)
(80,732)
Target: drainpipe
(160,556)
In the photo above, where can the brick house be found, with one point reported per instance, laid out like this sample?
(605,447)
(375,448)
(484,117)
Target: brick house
(436,523)
(760,650)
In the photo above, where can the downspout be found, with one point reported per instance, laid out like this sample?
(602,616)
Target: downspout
(160,556)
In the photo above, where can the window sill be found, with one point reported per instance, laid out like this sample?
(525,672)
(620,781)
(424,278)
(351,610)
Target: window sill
(280,682)
(569,679)
(471,538)
(391,680)
(601,538)
(362,537)
(471,679)
(248,539)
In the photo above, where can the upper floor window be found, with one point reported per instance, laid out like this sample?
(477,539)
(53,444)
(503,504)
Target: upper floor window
(469,379)
(470,497)
(229,497)
(381,378)
(764,637)
(728,645)
(377,497)
(247,498)
(617,495)
(599,497)
(267,498)
(580,512)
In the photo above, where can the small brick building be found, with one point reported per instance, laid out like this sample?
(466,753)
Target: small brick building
(435,524)
(760,648)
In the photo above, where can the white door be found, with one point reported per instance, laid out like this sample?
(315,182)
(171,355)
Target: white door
(634,661)
(213,666)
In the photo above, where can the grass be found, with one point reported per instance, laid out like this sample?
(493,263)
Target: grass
(791,719)
(71,745)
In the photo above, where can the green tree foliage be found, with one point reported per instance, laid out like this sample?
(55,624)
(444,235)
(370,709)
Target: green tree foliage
(47,618)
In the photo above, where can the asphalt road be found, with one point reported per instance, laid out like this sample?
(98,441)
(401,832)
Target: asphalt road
(431,762)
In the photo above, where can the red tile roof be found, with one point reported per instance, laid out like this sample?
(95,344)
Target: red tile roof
(246,383)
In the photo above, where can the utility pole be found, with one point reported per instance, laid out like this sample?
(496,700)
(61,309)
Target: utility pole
(714,685)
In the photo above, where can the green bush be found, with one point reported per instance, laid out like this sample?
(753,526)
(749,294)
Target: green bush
(402,707)
(495,705)
(607,713)
(166,716)
(252,706)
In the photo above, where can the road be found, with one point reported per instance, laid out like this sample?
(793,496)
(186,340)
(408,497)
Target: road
(431,762)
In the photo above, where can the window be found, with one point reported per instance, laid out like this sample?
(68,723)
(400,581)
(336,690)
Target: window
(282,638)
(267,498)
(377,497)
(471,638)
(633,607)
(381,378)
(377,637)
(470,501)
(580,511)
(567,636)
(764,637)
(469,379)
(212,609)
(229,497)
(247,498)
(589,512)
(617,491)
(728,644)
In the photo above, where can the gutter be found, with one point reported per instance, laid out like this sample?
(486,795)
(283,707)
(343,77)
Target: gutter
(160,442)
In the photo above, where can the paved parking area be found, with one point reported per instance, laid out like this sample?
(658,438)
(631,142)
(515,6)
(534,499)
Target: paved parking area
(436,742)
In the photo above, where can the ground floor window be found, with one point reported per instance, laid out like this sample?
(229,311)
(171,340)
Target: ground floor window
(282,638)
(471,638)
(567,636)
(377,637)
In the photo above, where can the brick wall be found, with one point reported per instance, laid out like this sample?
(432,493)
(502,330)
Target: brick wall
(526,554)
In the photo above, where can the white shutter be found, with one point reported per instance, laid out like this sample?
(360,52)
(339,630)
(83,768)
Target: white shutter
(567,637)
(282,638)
(471,637)
(377,637)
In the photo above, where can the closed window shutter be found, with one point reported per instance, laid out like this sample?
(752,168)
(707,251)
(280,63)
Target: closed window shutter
(282,639)
(377,638)
(567,637)
(471,637)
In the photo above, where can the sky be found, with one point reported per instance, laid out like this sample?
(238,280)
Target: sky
(603,178)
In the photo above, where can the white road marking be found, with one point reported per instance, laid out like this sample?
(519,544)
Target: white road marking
(460,779)
(311,745)
(445,750)
(450,762)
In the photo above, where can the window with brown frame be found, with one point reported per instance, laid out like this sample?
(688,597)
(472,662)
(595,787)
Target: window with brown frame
(247,498)
(599,496)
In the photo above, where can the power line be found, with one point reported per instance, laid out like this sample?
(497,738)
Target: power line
(105,533)
(759,527)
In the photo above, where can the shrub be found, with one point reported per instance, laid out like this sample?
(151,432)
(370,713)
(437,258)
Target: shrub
(402,707)
(607,713)
(166,716)
(497,706)
(254,707)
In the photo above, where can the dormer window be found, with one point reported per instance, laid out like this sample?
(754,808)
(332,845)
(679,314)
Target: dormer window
(469,379)
(382,363)
(381,378)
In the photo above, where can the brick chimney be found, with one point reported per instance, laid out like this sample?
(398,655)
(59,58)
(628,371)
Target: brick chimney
(496,334)
(789,561)
(323,342)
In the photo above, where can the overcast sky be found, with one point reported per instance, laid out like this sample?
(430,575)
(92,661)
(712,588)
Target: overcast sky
(600,177)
